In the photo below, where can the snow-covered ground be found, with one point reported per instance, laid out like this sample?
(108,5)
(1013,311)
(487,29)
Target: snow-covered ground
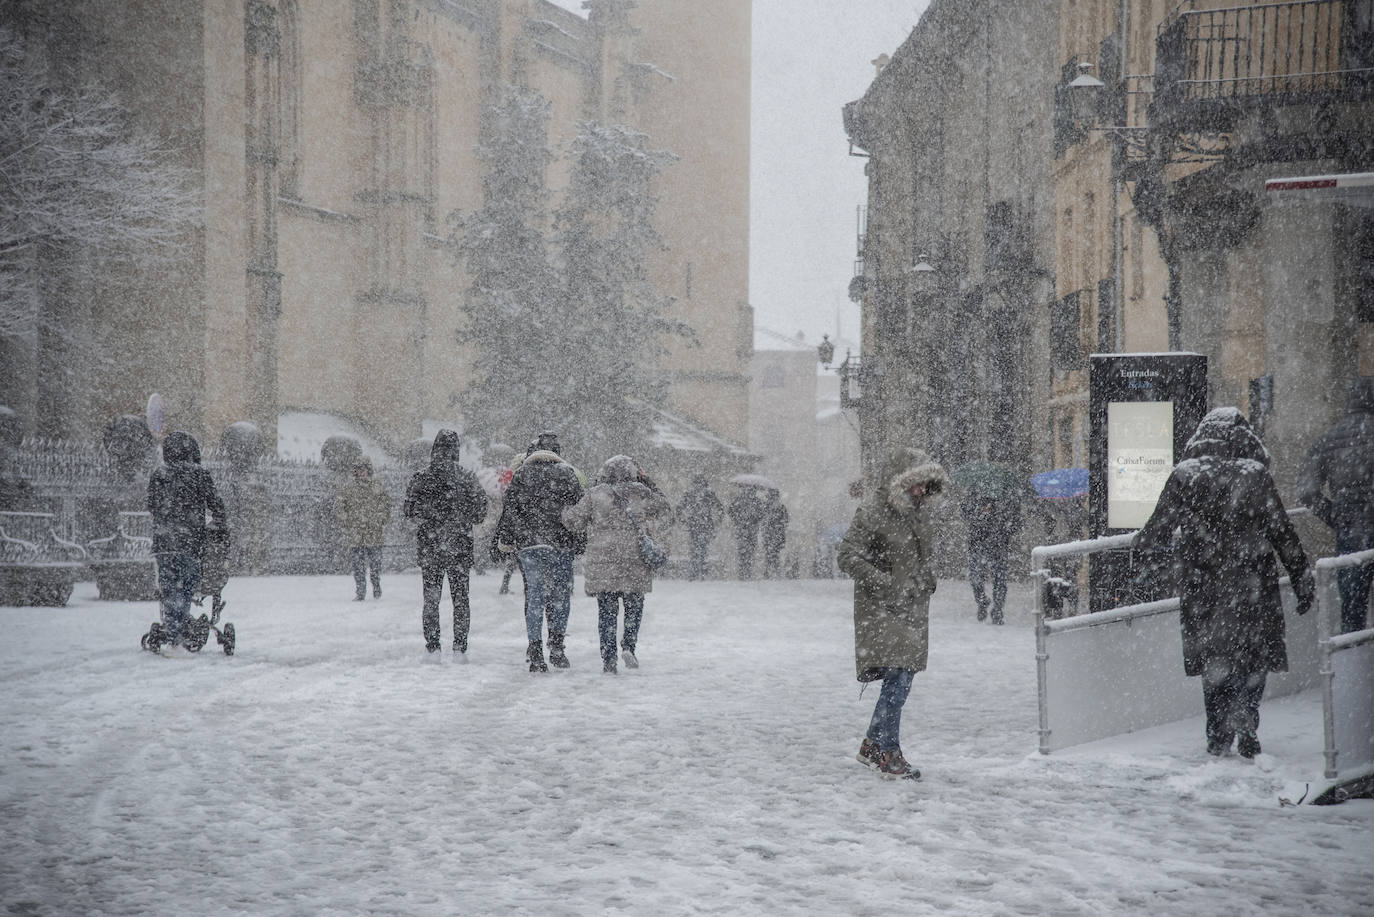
(328,768)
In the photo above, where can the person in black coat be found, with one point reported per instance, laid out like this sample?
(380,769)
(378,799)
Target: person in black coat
(993,521)
(447,501)
(773,534)
(532,523)
(700,511)
(1231,520)
(1337,484)
(180,494)
(746,512)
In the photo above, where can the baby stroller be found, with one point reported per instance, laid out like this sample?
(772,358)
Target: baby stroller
(214,574)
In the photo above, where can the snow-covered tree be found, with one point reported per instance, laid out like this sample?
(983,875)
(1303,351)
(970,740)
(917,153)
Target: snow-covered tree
(616,320)
(566,328)
(511,321)
(75,173)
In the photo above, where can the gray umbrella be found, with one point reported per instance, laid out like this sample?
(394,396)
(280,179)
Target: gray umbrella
(755,480)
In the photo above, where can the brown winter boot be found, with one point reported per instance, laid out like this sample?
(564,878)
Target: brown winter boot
(535,655)
(557,658)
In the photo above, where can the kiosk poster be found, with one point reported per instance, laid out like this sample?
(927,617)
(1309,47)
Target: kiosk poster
(1140,456)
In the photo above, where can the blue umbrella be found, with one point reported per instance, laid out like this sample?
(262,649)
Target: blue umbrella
(1061,483)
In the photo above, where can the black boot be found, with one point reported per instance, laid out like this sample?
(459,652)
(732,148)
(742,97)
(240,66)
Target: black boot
(535,655)
(557,658)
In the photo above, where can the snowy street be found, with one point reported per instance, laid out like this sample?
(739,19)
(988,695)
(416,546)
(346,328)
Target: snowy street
(330,768)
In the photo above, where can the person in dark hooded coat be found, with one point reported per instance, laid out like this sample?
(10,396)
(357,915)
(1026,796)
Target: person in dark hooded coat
(180,494)
(700,511)
(532,523)
(746,513)
(1222,500)
(447,500)
(1337,484)
(889,551)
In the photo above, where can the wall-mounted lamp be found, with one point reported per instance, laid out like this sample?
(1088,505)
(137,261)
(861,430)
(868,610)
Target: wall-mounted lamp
(825,351)
(922,274)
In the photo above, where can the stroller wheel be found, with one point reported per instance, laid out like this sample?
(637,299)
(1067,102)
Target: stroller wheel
(152,641)
(227,638)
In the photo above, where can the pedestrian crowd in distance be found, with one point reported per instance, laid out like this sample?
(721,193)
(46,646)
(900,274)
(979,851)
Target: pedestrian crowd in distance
(1219,517)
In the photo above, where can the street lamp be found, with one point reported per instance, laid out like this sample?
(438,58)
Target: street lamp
(825,350)
(922,275)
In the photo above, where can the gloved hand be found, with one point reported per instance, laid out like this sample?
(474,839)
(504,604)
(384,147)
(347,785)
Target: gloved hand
(1305,588)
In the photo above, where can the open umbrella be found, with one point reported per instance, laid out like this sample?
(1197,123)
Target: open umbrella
(989,480)
(1061,483)
(755,480)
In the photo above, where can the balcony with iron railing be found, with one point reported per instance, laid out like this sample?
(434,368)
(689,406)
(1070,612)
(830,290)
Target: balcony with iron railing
(1212,65)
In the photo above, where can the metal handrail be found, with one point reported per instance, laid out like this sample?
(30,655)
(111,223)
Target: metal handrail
(1327,600)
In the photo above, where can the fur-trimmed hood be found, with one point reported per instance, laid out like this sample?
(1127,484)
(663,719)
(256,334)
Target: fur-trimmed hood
(906,467)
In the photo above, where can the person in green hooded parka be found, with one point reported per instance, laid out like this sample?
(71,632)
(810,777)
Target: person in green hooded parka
(888,551)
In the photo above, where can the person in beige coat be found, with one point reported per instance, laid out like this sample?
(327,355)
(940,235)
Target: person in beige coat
(888,551)
(364,509)
(612,513)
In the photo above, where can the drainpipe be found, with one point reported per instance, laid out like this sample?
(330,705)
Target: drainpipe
(1119,188)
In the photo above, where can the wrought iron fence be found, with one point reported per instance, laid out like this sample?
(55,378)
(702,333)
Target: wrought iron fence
(281,512)
(1304,48)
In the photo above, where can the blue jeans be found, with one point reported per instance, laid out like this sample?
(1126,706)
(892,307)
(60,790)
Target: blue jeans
(178,575)
(886,726)
(548,589)
(608,610)
(1354,583)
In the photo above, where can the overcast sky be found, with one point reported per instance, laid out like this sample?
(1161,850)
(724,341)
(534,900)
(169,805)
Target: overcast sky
(811,57)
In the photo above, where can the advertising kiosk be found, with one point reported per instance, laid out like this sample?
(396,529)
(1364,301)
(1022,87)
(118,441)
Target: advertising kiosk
(1142,409)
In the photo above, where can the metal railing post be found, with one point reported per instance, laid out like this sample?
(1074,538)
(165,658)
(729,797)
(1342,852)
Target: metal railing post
(1326,591)
(1039,580)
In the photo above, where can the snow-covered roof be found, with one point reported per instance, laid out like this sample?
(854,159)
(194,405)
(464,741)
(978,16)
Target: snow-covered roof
(300,434)
(673,432)
(572,6)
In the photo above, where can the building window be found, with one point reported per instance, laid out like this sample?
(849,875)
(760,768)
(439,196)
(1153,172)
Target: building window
(1066,348)
(772,377)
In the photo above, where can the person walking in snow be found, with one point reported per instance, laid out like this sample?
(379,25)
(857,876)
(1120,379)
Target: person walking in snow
(532,523)
(1222,500)
(746,513)
(699,511)
(773,534)
(363,510)
(1337,484)
(888,552)
(993,522)
(180,494)
(446,500)
(613,513)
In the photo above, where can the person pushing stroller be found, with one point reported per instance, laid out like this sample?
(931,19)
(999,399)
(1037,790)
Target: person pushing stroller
(180,494)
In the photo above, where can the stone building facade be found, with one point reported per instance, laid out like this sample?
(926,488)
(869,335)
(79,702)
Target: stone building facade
(330,140)
(1136,212)
(1202,103)
(958,255)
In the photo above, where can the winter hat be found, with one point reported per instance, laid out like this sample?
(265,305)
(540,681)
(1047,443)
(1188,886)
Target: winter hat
(547,441)
(618,469)
(445,447)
